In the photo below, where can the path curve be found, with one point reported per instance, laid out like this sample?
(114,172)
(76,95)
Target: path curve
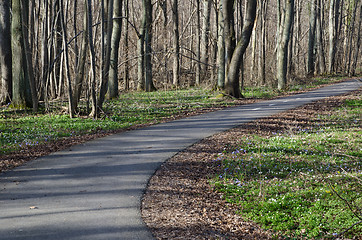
(94,190)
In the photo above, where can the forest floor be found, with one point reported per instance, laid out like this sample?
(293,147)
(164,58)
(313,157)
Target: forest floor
(180,202)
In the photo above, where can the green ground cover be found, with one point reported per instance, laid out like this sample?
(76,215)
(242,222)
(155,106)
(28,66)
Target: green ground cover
(294,182)
(24,128)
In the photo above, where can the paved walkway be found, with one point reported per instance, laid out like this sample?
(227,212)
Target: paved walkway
(94,190)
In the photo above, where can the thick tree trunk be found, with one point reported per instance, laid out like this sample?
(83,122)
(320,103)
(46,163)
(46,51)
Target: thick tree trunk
(229,31)
(232,86)
(358,46)
(148,46)
(18,63)
(176,44)
(5,53)
(205,32)
(282,54)
(312,37)
(116,37)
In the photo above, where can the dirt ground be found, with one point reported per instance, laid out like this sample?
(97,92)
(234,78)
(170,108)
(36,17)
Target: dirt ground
(179,202)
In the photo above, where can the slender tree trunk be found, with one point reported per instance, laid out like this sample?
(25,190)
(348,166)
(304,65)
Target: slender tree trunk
(94,112)
(232,86)
(282,59)
(79,78)
(333,29)
(262,41)
(312,37)
(319,36)
(126,46)
(198,44)
(66,60)
(176,44)
(116,37)
(108,47)
(5,52)
(221,49)
(205,32)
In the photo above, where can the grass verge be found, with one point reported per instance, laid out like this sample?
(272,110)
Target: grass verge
(302,183)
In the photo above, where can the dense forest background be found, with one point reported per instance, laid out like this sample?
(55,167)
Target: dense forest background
(96,49)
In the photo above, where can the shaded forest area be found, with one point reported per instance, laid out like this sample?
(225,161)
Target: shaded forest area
(93,50)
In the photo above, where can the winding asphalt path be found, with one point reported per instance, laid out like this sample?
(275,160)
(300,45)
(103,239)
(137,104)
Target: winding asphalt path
(94,190)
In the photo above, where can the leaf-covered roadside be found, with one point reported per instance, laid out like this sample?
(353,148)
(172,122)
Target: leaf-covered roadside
(180,202)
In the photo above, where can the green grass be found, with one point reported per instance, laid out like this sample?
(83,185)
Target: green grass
(288,182)
(24,128)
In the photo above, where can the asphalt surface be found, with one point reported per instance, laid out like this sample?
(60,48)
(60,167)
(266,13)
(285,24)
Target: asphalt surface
(94,190)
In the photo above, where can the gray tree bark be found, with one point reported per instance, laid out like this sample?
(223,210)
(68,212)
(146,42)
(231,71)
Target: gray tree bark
(148,46)
(312,37)
(232,86)
(66,59)
(107,60)
(221,49)
(94,112)
(79,78)
(198,44)
(282,53)
(18,63)
(176,44)
(333,29)
(5,52)
(358,45)
(116,37)
(205,32)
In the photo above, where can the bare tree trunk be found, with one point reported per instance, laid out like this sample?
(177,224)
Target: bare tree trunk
(94,112)
(282,58)
(18,74)
(205,32)
(333,29)
(198,44)
(116,37)
(108,47)
(319,36)
(126,46)
(176,44)
(348,59)
(79,78)
(232,86)
(221,49)
(358,46)
(5,52)
(66,60)
(262,40)
(148,46)
(229,31)
(312,37)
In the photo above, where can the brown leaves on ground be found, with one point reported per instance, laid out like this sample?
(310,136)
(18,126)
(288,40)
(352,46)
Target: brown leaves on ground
(179,202)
